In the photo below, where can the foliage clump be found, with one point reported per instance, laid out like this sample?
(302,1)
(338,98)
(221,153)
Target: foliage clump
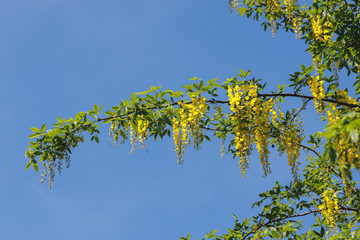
(242,115)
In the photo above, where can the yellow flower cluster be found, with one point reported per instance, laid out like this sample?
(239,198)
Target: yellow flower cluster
(347,153)
(317,90)
(333,112)
(289,5)
(242,139)
(235,95)
(344,98)
(262,119)
(140,134)
(142,126)
(291,140)
(113,132)
(320,29)
(243,146)
(188,124)
(195,113)
(179,139)
(252,117)
(49,169)
(342,150)
(273,7)
(329,207)
(233,3)
(275,114)
(297,22)
(133,139)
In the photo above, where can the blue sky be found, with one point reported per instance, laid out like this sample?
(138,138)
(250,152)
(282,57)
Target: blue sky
(60,57)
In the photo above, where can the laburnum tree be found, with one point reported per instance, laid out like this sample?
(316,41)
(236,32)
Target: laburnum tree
(246,118)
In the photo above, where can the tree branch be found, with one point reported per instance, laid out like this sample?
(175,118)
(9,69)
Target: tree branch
(259,95)
(279,219)
(294,216)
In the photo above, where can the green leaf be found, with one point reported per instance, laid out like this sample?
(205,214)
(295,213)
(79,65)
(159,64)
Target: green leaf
(43,127)
(201,84)
(211,234)
(34,135)
(152,89)
(242,11)
(345,171)
(28,165)
(34,129)
(187,238)
(35,165)
(109,113)
(332,154)
(133,96)
(107,120)
(216,84)
(242,73)
(303,68)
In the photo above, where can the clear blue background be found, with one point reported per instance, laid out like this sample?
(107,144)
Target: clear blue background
(60,57)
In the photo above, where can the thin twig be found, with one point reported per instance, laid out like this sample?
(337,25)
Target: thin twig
(302,108)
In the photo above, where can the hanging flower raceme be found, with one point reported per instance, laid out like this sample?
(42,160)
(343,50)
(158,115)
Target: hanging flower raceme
(240,97)
(233,4)
(297,22)
(196,110)
(273,7)
(139,135)
(291,140)
(329,207)
(342,148)
(289,8)
(188,123)
(178,137)
(345,145)
(142,133)
(252,116)
(321,29)
(262,120)
(333,112)
(317,90)
(345,98)
(347,153)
